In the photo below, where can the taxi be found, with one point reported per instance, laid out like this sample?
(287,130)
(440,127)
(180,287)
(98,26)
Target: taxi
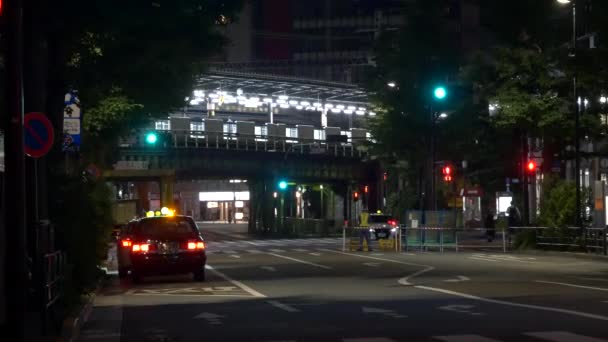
(382,226)
(161,244)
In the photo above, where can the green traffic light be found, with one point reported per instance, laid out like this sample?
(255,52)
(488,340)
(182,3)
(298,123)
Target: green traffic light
(151,138)
(282,185)
(440,93)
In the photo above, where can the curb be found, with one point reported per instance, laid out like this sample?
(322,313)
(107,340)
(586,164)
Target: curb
(578,255)
(72,325)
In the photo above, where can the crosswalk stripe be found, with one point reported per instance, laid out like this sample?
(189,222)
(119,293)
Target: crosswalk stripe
(464,338)
(563,336)
(368,339)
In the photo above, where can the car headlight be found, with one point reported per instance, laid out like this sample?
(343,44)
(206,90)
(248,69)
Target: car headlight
(372,230)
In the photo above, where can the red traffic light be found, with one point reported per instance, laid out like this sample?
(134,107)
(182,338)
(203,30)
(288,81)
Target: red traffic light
(447,178)
(366,189)
(531,166)
(446,170)
(356,196)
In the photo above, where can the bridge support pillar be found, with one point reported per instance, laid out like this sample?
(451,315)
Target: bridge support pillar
(167,183)
(143,189)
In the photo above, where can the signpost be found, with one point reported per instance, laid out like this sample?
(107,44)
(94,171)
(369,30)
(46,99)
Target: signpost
(38,134)
(71,122)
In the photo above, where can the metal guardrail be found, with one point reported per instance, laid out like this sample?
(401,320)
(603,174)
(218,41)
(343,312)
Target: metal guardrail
(53,278)
(260,143)
(425,238)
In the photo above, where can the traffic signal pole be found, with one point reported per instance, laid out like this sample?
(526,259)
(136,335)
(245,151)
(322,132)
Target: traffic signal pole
(15,258)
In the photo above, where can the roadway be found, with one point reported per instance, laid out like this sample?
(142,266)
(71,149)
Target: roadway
(309,290)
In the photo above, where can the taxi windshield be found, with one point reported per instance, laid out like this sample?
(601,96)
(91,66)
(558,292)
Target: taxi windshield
(379,218)
(163,226)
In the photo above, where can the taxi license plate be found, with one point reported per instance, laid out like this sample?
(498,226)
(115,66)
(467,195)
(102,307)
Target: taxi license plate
(381,234)
(168,248)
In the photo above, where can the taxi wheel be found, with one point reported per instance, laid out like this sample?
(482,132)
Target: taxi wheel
(135,277)
(199,275)
(122,272)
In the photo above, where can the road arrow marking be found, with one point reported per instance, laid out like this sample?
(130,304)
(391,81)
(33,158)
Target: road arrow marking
(372,264)
(269,268)
(466,309)
(211,318)
(460,279)
(388,313)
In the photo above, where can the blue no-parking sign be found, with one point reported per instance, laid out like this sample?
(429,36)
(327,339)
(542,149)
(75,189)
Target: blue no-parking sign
(38,134)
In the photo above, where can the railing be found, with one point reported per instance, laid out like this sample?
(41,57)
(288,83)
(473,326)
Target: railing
(261,143)
(428,238)
(53,276)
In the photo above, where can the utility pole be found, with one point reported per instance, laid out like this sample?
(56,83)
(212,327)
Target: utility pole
(14,195)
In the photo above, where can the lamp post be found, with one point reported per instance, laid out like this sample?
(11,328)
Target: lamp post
(439,94)
(577,103)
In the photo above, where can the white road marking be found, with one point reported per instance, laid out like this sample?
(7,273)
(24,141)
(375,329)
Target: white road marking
(502,302)
(277,250)
(402,281)
(377,254)
(254,251)
(563,336)
(573,285)
(235,256)
(384,312)
(368,339)
(460,279)
(269,268)
(230,252)
(252,243)
(372,264)
(464,338)
(482,259)
(315,254)
(301,261)
(211,318)
(282,306)
(466,309)
(236,282)
(301,250)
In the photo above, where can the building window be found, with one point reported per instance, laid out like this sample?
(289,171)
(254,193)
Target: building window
(291,132)
(162,125)
(261,130)
(319,134)
(230,128)
(197,126)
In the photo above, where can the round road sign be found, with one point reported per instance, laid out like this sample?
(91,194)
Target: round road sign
(38,134)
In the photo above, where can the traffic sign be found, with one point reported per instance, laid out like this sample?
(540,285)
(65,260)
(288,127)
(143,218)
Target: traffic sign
(39,134)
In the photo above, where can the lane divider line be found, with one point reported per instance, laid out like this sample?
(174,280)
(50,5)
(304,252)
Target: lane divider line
(572,285)
(282,306)
(301,261)
(519,305)
(402,281)
(235,282)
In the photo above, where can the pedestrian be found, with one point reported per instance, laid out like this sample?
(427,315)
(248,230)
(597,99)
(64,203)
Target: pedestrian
(513,219)
(364,233)
(490,225)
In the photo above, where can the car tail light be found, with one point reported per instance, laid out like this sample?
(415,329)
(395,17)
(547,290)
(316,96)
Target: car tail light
(140,248)
(196,245)
(392,222)
(126,243)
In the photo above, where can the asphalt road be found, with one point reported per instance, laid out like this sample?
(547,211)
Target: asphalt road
(309,290)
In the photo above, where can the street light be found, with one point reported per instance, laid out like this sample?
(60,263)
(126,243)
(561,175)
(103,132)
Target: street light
(577,164)
(443,115)
(391,84)
(440,93)
(603,99)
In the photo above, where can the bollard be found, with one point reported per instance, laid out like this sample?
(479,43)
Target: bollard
(504,242)
(605,239)
(441,240)
(343,239)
